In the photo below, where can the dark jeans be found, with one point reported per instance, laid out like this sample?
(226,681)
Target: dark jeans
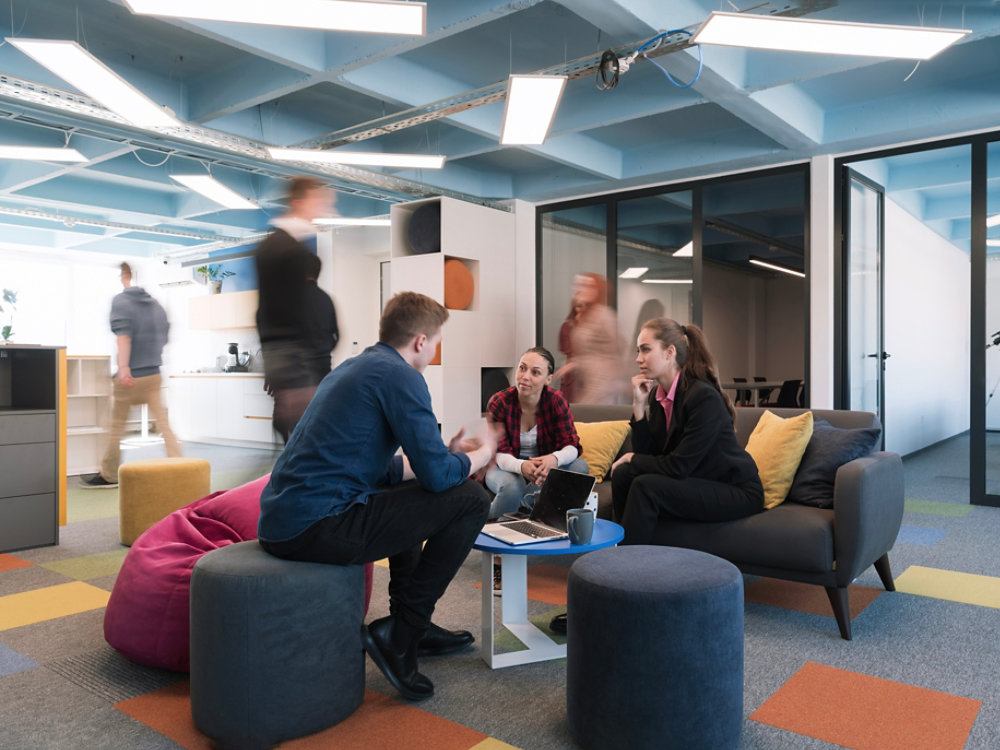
(394,524)
(640,500)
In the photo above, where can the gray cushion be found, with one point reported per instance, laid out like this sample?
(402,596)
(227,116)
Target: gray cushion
(789,537)
(829,448)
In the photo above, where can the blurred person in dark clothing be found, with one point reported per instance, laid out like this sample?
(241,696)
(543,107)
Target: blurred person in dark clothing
(282,261)
(321,321)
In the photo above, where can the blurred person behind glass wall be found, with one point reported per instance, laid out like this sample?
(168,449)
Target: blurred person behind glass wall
(594,354)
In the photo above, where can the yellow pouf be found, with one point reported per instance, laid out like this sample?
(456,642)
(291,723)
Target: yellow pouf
(153,488)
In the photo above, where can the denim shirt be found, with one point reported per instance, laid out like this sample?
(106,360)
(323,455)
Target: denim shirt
(343,449)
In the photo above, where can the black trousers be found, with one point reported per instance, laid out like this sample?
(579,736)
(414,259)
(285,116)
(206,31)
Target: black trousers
(640,500)
(394,524)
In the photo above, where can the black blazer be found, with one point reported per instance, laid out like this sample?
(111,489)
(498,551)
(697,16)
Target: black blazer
(701,441)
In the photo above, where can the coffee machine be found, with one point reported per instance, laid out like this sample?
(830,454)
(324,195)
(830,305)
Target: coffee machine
(237,361)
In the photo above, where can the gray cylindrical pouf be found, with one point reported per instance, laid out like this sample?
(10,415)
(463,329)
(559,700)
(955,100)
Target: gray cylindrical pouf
(654,650)
(275,646)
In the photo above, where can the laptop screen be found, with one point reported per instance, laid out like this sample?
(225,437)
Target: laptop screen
(561,491)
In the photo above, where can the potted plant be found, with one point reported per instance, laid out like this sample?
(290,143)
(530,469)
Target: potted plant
(10,300)
(213,275)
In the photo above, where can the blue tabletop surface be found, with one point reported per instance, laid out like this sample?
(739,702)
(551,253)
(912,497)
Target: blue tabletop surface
(606,534)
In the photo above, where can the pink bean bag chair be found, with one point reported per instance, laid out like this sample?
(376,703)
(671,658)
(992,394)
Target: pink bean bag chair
(147,615)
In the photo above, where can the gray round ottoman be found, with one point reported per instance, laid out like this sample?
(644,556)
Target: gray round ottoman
(275,646)
(654,650)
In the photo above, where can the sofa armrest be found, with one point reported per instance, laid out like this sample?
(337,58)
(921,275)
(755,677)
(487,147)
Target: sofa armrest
(868,510)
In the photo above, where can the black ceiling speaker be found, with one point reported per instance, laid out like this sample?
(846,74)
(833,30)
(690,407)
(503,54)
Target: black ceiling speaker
(425,228)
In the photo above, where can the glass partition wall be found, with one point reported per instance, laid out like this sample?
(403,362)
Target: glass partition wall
(688,252)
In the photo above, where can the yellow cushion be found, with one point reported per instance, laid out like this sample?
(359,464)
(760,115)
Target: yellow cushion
(777,445)
(601,442)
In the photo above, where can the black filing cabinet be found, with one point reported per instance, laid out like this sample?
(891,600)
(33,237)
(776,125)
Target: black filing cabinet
(29,446)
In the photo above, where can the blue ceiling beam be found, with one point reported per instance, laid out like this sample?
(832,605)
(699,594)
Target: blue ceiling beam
(239,87)
(77,190)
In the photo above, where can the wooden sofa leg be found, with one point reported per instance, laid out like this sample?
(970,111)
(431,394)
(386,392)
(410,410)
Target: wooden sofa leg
(841,609)
(884,572)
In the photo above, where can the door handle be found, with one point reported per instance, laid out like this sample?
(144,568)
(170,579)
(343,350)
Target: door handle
(883,355)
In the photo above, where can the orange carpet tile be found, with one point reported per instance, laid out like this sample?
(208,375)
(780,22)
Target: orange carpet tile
(9,562)
(862,712)
(806,597)
(380,723)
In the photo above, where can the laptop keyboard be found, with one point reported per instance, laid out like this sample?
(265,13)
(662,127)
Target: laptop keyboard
(532,529)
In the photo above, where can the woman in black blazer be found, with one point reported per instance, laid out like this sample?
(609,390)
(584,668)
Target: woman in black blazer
(686,462)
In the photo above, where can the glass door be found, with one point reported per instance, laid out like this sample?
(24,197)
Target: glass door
(864,253)
(989,449)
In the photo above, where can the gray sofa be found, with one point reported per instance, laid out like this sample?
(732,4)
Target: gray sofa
(827,547)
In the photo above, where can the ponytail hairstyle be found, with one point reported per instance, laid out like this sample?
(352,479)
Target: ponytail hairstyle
(693,356)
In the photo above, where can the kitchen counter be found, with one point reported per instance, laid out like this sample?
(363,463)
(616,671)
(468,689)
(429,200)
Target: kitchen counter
(219,375)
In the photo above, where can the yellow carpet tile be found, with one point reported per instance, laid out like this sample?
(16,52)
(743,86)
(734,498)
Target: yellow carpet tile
(950,585)
(49,603)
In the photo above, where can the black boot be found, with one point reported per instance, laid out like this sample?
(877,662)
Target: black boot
(398,664)
(437,641)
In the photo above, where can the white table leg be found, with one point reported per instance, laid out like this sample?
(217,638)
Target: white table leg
(514,609)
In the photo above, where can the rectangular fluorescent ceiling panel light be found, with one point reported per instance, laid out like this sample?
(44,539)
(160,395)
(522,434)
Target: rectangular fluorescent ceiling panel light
(213,190)
(685,251)
(39,153)
(382,17)
(776,267)
(83,71)
(993,243)
(342,222)
(531,105)
(632,273)
(359,158)
(826,37)
(667,281)
(992,221)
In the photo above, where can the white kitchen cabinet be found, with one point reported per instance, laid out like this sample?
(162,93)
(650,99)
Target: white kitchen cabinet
(213,312)
(225,407)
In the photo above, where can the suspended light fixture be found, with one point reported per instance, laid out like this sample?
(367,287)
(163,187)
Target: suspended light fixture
(83,71)
(632,273)
(825,37)
(770,264)
(531,105)
(375,16)
(358,158)
(213,190)
(41,153)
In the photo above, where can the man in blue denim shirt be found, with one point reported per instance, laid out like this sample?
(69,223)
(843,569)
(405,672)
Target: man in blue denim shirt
(339,494)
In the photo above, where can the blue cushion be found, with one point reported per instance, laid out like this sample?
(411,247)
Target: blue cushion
(829,448)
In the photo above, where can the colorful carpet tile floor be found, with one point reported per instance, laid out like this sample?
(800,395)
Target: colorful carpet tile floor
(919,674)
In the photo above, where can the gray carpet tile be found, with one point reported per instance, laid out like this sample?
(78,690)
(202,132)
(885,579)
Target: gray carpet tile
(62,638)
(43,711)
(29,578)
(77,540)
(111,676)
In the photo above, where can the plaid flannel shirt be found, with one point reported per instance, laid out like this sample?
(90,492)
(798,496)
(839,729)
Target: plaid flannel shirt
(555,422)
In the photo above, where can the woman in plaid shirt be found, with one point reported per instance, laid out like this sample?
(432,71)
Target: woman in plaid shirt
(535,432)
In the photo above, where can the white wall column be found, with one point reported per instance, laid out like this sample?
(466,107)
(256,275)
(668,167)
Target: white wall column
(524,275)
(821,291)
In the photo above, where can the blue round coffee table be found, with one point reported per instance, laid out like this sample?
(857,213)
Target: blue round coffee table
(514,602)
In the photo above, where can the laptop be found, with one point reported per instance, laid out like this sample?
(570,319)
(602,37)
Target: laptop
(561,491)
